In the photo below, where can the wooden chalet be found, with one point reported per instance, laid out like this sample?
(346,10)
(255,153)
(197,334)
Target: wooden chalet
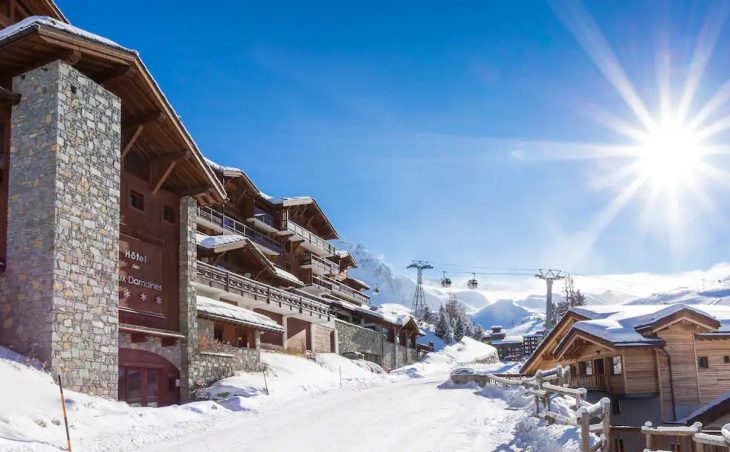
(667,364)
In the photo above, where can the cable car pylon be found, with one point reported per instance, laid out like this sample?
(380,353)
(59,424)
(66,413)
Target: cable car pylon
(419,297)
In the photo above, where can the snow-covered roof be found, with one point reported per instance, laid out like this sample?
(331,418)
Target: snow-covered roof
(32,21)
(219,310)
(283,274)
(620,325)
(215,241)
(397,317)
(506,340)
(358,282)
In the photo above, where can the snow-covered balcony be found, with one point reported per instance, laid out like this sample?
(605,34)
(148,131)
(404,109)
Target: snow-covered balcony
(217,282)
(318,265)
(309,240)
(324,285)
(224,224)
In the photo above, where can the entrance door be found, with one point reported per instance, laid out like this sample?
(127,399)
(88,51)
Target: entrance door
(147,379)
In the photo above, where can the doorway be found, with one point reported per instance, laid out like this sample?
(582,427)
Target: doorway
(147,379)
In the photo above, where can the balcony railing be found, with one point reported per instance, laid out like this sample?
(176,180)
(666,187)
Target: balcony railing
(320,244)
(319,265)
(264,217)
(240,285)
(339,289)
(591,382)
(230,224)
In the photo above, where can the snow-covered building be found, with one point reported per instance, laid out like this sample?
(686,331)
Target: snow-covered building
(128,264)
(507,346)
(664,363)
(531,341)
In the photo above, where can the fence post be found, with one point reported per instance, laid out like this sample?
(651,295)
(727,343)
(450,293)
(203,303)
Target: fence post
(649,438)
(585,433)
(538,380)
(606,421)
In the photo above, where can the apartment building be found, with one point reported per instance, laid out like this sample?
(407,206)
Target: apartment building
(666,364)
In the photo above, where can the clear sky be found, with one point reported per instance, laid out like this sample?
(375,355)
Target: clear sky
(458,132)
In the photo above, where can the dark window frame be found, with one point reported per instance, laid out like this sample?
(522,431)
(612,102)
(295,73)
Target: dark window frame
(703,362)
(136,200)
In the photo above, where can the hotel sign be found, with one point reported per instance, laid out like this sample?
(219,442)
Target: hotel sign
(141,276)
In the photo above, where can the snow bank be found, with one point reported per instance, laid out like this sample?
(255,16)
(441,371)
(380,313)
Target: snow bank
(31,416)
(465,352)
(531,433)
(290,376)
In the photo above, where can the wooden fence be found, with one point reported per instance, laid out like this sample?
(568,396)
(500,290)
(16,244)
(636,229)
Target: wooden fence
(545,387)
(686,439)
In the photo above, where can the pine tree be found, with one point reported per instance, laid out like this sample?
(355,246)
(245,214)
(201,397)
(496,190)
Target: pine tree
(571,299)
(428,315)
(443,328)
(477,332)
(459,330)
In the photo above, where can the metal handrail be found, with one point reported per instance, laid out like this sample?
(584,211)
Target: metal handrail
(230,280)
(325,264)
(237,227)
(264,217)
(309,236)
(338,287)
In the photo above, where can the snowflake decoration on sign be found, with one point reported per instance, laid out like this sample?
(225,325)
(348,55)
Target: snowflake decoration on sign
(158,300)
(126,293)
(143,296)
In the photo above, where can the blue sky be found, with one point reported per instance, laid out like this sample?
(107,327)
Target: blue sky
(428,129)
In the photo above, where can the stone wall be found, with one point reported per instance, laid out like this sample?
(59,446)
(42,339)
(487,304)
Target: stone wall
(188,293)
(209,367)
(353,338)
(59,293)
(153,344)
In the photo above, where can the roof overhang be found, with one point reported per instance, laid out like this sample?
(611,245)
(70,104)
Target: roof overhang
(682,315)
(311,209)
(148,119)
(535,357)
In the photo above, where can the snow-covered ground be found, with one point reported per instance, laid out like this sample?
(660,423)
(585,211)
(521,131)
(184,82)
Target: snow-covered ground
(331,404)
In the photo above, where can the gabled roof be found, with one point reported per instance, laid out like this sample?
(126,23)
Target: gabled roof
(237,174)
(229,242)
(633,325)
(346,257)
(160,134)
(326,230)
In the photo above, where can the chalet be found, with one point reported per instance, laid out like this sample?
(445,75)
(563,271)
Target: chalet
(128,263)
(507,346)
(664,363)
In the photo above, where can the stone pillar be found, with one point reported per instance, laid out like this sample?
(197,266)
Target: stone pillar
(59,294)
(188,292)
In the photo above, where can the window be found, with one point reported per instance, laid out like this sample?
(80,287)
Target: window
(726,359)
(703,362)
(616,365)
(136,200)
(218,334)
(168,214)
(589,367)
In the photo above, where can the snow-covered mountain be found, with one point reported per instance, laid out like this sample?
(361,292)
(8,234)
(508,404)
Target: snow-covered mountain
(719,294)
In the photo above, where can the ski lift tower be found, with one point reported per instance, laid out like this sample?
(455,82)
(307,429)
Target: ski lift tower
(549,275)
(419,298)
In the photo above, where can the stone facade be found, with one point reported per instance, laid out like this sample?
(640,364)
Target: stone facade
(59,293)
(188,293)
(353,338)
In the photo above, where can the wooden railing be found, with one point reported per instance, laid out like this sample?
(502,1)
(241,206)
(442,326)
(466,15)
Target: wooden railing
(230,224)
(310,237)
(337,287)
(234,283)
(546,385)
(590,382)
(686,439)
(326,266)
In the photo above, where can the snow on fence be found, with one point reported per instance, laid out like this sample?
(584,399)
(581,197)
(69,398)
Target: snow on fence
(681,439)
(551,392)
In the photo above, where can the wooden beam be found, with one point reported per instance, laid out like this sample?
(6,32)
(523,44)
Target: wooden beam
(7,95)
(71,56)
(116,74)
(149,118)
(130,141)
(165,160)
(163,172)
(194,191)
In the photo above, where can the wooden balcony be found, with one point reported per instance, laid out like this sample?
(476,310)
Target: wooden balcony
(310,241)
(607,383)
(337,289)
(234,283)
(223,223)
(318,265)
(264,221)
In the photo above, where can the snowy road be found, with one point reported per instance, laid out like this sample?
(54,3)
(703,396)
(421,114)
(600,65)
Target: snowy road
(408,415)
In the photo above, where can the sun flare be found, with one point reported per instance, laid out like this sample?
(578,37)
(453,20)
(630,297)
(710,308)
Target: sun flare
(670,157)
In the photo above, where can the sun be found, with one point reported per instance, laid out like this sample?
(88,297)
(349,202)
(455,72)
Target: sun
(670,157)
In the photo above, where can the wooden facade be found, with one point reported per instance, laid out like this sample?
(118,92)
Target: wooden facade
(684,363)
